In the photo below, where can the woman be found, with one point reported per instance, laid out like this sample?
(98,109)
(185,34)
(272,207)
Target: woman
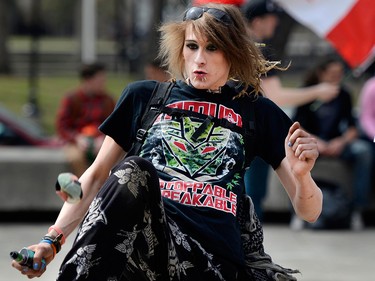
(334,126)
(176,219)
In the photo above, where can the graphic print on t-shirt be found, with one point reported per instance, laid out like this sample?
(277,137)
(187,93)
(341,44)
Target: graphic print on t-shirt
(202,156)
(207,159)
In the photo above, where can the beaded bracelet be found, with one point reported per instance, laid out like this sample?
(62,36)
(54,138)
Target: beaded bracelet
(58,231)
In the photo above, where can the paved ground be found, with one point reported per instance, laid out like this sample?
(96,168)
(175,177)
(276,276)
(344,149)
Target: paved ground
(319,255)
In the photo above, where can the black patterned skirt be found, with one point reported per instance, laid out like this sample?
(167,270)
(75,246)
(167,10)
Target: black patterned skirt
(126,235)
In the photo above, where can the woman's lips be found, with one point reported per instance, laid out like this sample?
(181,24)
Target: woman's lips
(200,74)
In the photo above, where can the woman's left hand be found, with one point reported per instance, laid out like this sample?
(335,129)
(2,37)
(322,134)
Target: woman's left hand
(301,150)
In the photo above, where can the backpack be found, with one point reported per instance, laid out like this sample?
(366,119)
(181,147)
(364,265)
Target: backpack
(156,106)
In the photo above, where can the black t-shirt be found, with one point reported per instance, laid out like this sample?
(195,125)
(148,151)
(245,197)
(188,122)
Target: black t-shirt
(200,180)
(327,120)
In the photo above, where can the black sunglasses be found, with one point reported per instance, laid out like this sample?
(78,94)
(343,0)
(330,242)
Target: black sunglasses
(195,13)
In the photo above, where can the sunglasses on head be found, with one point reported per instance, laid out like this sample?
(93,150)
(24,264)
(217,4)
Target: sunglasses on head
(195,13)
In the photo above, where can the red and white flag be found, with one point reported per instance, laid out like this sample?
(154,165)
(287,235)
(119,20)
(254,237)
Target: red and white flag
(204,2)
(349,25)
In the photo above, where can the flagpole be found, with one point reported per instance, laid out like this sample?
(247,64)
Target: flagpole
(366,64)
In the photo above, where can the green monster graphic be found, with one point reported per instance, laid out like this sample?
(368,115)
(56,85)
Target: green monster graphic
(202,156)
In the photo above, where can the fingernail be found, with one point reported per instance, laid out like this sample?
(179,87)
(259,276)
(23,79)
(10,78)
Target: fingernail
(290,144)
(25,269)
(36,266)
(43,266)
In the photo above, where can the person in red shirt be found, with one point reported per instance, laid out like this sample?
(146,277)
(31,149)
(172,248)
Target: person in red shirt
(80,113)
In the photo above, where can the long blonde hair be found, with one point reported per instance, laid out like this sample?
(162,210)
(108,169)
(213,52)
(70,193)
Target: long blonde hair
(247,63)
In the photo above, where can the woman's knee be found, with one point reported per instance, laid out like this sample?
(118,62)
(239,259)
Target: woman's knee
(131,190)
(137,172)
(133,186)
(143,164)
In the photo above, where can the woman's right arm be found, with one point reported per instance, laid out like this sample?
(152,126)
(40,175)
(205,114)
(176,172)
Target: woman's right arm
(72,214)
(290,97)
(91,181)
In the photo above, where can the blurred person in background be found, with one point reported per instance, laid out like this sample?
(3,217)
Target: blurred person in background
(334,126)
(367,117)
(262,18)
(153,70)
(80,113)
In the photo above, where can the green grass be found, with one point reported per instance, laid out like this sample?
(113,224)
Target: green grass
(57,45)
(14,90)
(14,93)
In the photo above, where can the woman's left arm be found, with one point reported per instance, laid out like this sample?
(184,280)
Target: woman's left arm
(294,172)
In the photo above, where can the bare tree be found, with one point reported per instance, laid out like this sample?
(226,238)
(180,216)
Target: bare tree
(157,9)
(160,10)
(4,32)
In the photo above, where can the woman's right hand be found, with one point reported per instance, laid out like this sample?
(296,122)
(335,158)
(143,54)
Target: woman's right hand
(72,214)
(327,91)
(42,250)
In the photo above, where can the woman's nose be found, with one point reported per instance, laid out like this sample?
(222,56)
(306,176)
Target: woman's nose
(200,58)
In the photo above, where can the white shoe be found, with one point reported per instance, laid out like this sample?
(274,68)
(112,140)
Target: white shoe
(356,222)
(296,223)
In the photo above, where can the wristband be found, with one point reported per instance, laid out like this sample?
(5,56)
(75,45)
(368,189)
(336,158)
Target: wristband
(54,242)
(58,231)
(49,241)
